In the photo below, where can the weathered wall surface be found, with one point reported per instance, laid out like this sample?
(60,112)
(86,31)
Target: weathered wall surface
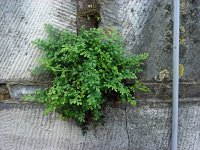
(191,52)
(146,127)
(147,27)
(21,22)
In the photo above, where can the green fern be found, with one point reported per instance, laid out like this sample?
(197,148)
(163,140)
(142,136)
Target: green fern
(87,68)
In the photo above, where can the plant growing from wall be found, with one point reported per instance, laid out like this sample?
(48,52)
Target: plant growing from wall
(87,69)
(88,14)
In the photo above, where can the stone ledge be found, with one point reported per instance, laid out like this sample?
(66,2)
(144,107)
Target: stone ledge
(18,90)
(163,90)
(159,90)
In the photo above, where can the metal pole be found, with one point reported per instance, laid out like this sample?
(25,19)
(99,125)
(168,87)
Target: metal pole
(176,19)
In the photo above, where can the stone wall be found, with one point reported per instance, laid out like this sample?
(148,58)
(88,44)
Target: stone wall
(22,21)
(146,127)
(146,27)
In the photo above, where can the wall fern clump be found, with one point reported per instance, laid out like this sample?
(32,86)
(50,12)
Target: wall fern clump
(87,68)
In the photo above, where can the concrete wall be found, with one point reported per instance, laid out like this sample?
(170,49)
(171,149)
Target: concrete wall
(146,127)
(21,22)
(146,26)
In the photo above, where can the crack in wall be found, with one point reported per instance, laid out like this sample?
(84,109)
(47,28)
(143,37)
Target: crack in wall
(126,127)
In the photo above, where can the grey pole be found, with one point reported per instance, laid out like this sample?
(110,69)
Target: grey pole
(176,19)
